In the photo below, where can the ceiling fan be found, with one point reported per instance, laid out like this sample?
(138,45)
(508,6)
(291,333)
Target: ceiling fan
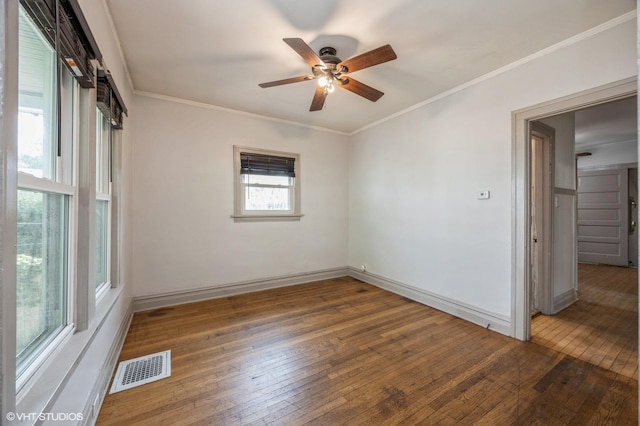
(331,71)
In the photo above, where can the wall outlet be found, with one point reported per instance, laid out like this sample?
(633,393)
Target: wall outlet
(363,268)
(484,195)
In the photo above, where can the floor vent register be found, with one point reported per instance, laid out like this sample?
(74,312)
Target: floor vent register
(142,370)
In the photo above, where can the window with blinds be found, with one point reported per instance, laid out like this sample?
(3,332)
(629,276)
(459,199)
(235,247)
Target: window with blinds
(267,184)
(58,62)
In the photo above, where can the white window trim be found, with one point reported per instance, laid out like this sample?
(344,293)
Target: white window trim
(261,216)
(106,285)
(62,183)
(40,361)
(30,182)
(103,184)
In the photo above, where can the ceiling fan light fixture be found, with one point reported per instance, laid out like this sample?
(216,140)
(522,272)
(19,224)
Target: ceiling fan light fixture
(330,71)
(327,82)
(324,81)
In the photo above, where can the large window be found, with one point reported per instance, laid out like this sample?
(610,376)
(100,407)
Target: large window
(45,194)
(267,184)
(67,198)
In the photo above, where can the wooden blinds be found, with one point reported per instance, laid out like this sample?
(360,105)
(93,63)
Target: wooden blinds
(63,25)
(261,164)
(109,100)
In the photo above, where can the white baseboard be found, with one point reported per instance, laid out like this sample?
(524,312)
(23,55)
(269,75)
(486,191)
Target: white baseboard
(458,309)
(564,300)
(478,316)
(145,303)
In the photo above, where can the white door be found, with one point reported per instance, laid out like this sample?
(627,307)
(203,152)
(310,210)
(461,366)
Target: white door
(603,216)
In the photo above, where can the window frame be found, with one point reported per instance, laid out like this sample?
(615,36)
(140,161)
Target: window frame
(240,214)
(103,163)
(43,378)
(63,182)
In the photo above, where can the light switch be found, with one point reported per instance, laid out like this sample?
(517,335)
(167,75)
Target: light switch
(484,195)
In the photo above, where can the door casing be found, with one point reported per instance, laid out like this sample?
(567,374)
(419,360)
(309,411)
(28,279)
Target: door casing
(521,119)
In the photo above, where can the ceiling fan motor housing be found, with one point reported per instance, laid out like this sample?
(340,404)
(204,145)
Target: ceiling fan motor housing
(328,56)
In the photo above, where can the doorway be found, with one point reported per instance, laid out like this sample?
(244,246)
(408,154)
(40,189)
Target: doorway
(601,326)
(521,284)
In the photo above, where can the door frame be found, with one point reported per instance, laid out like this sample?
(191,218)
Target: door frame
(520,220)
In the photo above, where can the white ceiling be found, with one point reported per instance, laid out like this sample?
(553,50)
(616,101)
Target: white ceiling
(607,123)
(216,52)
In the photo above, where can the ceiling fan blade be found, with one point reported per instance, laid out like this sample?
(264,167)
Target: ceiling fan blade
(318,99)
(368,59)
(286,81)
(305,51)
(361,89)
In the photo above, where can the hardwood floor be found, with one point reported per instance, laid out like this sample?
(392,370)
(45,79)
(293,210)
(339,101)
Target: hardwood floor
(344,352)
(601,328)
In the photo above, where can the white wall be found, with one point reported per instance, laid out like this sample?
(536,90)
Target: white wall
(184,237)
(564,149)
(413,208)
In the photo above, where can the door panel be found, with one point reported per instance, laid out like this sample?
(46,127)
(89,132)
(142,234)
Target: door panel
(602,217)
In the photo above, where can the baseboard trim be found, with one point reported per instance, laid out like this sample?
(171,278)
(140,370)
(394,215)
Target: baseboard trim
(101,387)
(145,303)
(489,320)
(564,300)
(458,309)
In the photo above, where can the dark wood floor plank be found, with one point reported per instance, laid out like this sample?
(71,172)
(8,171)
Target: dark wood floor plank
(342,352)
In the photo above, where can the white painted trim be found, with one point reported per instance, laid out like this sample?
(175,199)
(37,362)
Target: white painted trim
(267,218)
(564,300)
(51,348)
(42,390)
(473,314)
(8,201)
(233,111)
(145,303)
(240,215)
(26,181)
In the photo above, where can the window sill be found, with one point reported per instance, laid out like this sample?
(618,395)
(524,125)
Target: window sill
(50,376)
(267,218)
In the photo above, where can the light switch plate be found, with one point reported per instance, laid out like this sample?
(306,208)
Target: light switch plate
(484,195)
